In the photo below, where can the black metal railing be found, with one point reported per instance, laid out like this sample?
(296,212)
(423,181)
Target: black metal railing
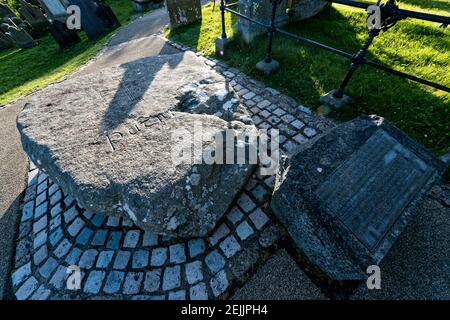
(390,15)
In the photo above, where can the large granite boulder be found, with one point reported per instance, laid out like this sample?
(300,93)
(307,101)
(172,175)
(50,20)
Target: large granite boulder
(108,139)
(347,195)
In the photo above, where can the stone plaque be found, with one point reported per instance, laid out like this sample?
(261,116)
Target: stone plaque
(369,191)
(54,7)
(346,196)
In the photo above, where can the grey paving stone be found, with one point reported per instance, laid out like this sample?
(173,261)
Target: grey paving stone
(41,199)
(144,297)
(21,274)
(230,246)
(269,236)
(199,292)
(159,257)
(263,104)
(259,192)
(150,239)
(40,239)
(75,227)
(140,259)
(59,278)
(244,230)
(249,95)
(194,272)
(259,218)
(32,177)
(113,221)
(171,278)
(63,248)
(235,215)
(88,214)
(70,214)
(94,282)
(152,281)
(114,240)
(55,236)
(42,177)
(48,267)
(104,259)
(54,198)
(309,132)
(40,224)
(98,219)
(221,232)
(88,258)
(68,200)
(297,124)
(27,289)
(265,114)
(42,293)
(300,138)
(42,187)
(127,222)
(40,255)
(55,222)
(288,118)
(219,283)
(113,282)
(27,211)
(196,247)
(177,254)
(74,256)
(40,210)
(131,239)
(177,295)
(133,282)
(246,203)
(215,261)
(273,120)
(53,188)
(99,238)
(304,109)
(84,236)
(56,210)
(122,259)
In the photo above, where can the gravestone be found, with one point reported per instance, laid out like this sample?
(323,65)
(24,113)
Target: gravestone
(5,42)
(97,18)
(261,10)
(5,11)
(34,16)
(18,36)
(108,140)
(65,37)
(55,10)
(183,12)
(346,196)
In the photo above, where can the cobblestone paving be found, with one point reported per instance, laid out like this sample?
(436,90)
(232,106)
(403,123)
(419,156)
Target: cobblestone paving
(119,261)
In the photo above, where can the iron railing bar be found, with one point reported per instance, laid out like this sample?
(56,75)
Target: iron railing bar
(247,18)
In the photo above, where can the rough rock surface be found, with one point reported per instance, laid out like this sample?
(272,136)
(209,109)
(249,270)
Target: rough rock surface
(106,139)
(346,196)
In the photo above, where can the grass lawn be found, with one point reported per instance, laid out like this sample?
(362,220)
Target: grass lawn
(412,46)
(25,70)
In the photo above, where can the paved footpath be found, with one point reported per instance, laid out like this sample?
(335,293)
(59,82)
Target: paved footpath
(246,257)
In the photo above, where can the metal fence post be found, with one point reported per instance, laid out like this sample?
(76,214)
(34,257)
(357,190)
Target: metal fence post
(221,42)
(268,64)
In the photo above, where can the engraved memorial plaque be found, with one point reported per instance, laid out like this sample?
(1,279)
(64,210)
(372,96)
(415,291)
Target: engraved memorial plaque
(347,196)
(369,191)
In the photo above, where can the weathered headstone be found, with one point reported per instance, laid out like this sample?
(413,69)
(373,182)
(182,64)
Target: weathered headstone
(63,36)
(96,18)
(346,196)
(55,10)
(183,12)
(261,10)
(5,11)
(34,16)
(106,139)
(5,42)
(18,36)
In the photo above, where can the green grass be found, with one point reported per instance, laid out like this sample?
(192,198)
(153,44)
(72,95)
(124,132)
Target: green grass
(412,46)
(25,70)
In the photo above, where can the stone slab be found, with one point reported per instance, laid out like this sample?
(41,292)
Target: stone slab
(113,150)
(347,195)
